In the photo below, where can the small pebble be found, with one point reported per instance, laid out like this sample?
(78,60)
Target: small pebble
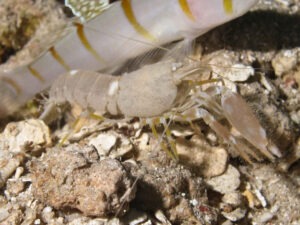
(227,182)
(235,215)
(103,143)
(233,198)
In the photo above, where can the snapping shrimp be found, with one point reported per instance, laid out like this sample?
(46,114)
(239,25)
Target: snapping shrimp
(164,90)
(124,30)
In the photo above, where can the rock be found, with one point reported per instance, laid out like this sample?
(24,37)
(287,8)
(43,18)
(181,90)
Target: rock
(284,61)
(206,160)
(15,218)
(227,65)
(159,215)
(88,152)
(234,198)
(66,179)
(4,213)
(111,144)
(227,222)
(103,143)
(235,215)
(8,165)
(14,187)
(240,72)
(227,182)
(24,136)
(264,216)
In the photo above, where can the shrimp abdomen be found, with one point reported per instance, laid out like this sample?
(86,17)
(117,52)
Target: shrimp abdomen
(88,89)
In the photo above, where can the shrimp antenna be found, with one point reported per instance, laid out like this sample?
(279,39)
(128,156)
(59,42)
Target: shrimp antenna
(124,37)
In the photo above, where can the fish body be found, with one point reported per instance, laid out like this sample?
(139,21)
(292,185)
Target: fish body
(125,30)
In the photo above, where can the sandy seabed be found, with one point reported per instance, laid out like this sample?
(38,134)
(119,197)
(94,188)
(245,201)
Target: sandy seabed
(117,173)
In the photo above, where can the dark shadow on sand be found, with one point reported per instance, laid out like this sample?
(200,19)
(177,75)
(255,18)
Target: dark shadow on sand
(256,31)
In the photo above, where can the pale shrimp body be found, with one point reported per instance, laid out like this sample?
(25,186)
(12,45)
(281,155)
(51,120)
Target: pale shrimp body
(159,91)
(125,30)
(145,93)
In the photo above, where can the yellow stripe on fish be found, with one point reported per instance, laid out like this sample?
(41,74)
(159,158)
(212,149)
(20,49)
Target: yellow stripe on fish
(228,6)
(86,43)
(36,74)
(127,8)
(186,9)
(58,58)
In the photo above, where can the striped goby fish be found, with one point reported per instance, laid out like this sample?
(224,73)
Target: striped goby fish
(123,31)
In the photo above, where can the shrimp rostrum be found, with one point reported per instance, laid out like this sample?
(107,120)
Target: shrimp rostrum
(165,91)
